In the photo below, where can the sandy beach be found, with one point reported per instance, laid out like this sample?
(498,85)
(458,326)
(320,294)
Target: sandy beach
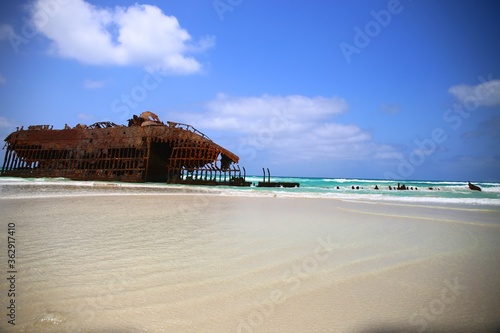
(214,263)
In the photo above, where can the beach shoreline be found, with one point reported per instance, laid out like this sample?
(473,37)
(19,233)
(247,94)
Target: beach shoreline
(252,264)
(59,187)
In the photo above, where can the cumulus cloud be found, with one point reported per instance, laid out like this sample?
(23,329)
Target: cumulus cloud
(484,94)
(249,114)
(140,35)
(288,126)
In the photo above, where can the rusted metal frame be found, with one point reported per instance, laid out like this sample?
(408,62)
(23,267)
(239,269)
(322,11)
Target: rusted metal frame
(57,159)
(133,158)
(48,160)
(12,164)
(116,162)
(91,161)
(103,161)
(124,160)
(21,152)
(30,161)
(24,160)
(114,159)
(34,156)
(6,161)
(68,159)
(20,164)
(16,161)
(213,170)
(107,162)
(130,164)
(133,162)
(91,164)
(12,156)
(30,157)
(45,157)
(142,167)
(127,159)
(8,157)
(42,158)
(109,167)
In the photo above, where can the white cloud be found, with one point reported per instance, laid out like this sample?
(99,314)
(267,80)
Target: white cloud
(94,84)
(483,94)
(249,114)
(292,127)
(3,80)
(139,35)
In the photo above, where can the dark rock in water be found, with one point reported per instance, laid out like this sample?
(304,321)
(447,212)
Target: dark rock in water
(474,187)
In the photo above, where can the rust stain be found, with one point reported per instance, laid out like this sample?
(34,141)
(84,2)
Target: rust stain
(147,150)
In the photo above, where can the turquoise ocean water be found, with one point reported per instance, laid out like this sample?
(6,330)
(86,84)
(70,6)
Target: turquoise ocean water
(364,189)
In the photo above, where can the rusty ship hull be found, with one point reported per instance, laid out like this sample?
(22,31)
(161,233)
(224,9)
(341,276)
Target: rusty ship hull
(146,150)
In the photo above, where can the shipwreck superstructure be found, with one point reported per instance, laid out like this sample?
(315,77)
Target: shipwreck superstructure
(147,150)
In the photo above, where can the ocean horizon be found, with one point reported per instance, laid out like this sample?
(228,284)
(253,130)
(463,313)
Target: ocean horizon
(419,191)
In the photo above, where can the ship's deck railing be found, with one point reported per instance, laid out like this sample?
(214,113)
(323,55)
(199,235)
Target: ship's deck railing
(103,124)
(38,127)
(187,128)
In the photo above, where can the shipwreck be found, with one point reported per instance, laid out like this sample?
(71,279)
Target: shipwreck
(147,150)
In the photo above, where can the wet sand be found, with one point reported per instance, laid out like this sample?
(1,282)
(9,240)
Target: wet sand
(212,263)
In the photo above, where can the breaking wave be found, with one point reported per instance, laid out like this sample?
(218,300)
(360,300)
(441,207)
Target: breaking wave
(340,188)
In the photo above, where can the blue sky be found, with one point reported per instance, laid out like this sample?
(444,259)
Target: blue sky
(356,89)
